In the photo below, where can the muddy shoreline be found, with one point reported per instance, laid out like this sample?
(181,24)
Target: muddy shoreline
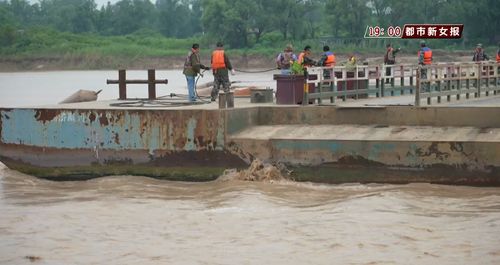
(94,62)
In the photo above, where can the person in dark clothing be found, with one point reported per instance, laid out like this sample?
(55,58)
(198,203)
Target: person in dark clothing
(327,60)
(220,67)
(479,54)
(390,59)
(192,67)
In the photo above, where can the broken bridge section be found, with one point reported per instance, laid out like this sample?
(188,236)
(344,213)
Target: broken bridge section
(381,144)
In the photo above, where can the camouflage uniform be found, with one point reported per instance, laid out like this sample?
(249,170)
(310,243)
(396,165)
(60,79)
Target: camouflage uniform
(221,78)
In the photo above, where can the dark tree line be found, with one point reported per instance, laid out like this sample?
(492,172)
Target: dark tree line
(244,23)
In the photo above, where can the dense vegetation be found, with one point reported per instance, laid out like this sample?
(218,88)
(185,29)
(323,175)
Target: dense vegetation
(168,27)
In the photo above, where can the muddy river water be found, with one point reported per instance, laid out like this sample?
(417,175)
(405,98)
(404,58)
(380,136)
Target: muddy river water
(137,220)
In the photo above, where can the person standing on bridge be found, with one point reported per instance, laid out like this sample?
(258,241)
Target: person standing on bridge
(479,54)
(285,59)
(305,59)
(498,53)
(192,67)
(424,54)
(220,67)
(327,60)
(424,59)
(390,59)
(498,61)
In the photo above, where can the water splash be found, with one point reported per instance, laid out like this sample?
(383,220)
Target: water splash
(258,171)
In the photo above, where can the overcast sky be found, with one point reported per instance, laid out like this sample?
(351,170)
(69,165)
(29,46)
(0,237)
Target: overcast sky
(98,2)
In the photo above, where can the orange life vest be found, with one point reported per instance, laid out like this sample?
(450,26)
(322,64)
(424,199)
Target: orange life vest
(498,57)
(330,59)
(218,60)
(301,58)
(427,55)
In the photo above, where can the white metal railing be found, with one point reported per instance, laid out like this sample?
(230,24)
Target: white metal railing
(456,79)
(436,80)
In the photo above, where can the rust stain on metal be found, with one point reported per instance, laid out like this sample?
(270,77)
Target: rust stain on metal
(45,115)
(235,149)
(92,117)
(144,127)
(103,119)
(117,138)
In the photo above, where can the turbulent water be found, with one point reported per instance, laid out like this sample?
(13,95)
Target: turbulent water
(137,220)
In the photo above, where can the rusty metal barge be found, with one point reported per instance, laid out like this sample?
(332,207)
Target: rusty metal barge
(336,143)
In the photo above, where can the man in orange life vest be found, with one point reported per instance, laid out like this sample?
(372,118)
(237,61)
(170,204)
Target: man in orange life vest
(424,58)
(498,61)
(220,67)
(327,60)
(304,58)
(425,54)
(498,53)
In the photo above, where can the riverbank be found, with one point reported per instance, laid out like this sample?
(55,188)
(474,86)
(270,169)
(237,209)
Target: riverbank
(239,60)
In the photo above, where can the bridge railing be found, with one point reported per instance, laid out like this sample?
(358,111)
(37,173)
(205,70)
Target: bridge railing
(406,75)
(434,81)
(341,82)
(457,79)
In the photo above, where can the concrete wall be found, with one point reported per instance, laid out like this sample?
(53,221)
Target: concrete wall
(390,115)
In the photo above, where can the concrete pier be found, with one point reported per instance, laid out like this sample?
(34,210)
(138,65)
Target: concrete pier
(367,142)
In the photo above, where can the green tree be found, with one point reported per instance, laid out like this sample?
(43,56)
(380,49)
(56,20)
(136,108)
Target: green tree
(76,16)
(104,20)
(129,16)
(231,20)
(180,13)
(24,13)
(347,17)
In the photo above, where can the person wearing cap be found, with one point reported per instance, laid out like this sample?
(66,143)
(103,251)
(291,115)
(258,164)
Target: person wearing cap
(285,59)
(220,67)
(327,60)
(390,59)
(479,54)
(424,54)
(192,67)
